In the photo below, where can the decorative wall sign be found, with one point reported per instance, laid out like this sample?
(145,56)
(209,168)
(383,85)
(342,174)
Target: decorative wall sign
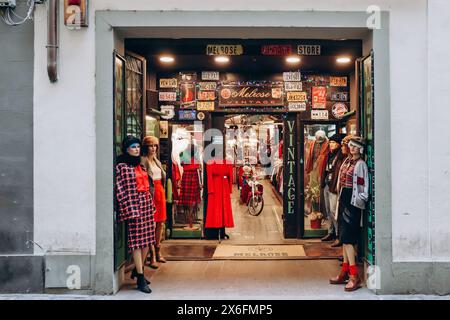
(164,129)
(339,96)
(206,95)
(224,49)
(276,50)
(187,93)
(169,110)
(187,114)
(188,76)
(319,97)
(293,86)
(167,96)
(292,76)
(168,83)
(338,81)
(297,106)
(251,95)
(319,114)
(339,110)
(205,105)
(309,50)
(200,116)
(207,85)
(297,96)
(210,75)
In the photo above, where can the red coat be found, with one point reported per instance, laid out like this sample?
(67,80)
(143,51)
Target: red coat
(220,185)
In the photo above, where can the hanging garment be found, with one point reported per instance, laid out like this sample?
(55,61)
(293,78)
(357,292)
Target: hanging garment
(190,185)
(219,212)
(176,177)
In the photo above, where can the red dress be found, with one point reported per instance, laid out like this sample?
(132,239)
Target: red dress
(219,213)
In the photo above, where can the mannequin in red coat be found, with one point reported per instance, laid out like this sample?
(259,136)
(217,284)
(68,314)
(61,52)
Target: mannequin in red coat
(219,213)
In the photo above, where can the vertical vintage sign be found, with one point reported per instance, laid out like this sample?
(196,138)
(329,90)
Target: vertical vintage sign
(290,184)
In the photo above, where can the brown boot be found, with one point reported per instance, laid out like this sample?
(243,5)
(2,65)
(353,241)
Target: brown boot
(340,279)
(354,283)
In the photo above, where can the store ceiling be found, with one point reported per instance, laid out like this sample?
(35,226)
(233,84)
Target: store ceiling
(190,55)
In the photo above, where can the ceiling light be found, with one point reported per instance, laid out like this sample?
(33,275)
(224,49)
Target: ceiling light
(166,59)
(343,60)
(293,59)
(222,59)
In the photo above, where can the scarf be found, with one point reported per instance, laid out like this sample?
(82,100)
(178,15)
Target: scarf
(128,159)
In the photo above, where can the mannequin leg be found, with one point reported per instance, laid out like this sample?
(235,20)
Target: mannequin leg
(159,236)
(144,255)
(137,258)
(350,250)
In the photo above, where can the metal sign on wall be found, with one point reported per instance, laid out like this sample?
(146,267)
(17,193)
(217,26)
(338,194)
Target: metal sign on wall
(276,50)
(224,49)
(251,95)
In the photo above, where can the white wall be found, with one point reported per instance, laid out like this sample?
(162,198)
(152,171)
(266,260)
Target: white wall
(65,132)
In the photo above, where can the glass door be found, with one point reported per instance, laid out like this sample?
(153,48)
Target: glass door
(316,148)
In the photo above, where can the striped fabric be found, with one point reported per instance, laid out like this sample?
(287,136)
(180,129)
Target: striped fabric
(346,175)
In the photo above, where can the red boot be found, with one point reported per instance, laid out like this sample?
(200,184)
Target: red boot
(354,282)
(342,277)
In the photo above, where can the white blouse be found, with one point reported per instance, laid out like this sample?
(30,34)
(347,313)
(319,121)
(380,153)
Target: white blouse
(156,171)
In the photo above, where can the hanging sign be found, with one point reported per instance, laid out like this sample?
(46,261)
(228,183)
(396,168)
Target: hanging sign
(297,96)
(206,95)
(207,85)
(297,106)
(210,75)
(319,97)
(293,86)
(339,96)
(224,50)
(319,114)
(251,95)
(169,110)
(168,83)
(187,114)
(292,76)
(338,81)
(276,50)
(167,96)
(339,110)
(205,105)
(309,50)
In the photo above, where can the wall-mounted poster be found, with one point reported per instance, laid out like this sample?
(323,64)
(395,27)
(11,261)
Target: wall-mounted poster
(339,110)
(164,129)
(167,96)
(338,81)
(319,97)
(187,94)
(319,114)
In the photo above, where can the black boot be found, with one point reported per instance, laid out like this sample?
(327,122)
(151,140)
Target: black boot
(134,274)
(141,285)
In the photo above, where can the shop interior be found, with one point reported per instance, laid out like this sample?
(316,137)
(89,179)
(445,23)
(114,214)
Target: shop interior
(181,105)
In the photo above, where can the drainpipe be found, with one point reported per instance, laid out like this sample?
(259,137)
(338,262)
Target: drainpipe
(52,40)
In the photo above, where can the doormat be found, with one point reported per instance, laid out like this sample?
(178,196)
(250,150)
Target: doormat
(180,252)
(259,252)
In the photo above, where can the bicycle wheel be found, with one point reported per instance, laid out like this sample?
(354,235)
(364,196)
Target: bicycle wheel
(256,205)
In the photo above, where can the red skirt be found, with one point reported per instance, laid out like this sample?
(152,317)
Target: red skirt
(141,231)
(160,202)
(190,188)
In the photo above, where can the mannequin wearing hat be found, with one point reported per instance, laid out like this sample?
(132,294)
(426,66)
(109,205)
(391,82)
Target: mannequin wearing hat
(329,183)
(135,206)
(353,187)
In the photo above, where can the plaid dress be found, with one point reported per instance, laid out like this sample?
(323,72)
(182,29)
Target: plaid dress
(190,185)
(136,208)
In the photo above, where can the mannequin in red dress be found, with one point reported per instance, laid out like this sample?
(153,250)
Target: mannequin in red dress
(219,212)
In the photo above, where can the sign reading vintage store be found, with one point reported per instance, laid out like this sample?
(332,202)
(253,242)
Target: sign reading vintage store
(251,95)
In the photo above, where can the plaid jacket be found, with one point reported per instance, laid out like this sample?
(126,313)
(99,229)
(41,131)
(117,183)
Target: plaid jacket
(126,192)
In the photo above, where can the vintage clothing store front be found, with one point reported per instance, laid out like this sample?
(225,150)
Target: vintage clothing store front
(89,240)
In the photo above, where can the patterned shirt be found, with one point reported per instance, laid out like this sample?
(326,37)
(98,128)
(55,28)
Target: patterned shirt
(346,175)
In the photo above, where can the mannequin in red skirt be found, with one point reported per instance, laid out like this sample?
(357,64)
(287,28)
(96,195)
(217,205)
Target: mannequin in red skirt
(191,187)
(135,206)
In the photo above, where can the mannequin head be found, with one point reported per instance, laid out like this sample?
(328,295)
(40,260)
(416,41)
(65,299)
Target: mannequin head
(321,136)
(150,146)
(132,146)
(344,145)
(356,147)
(335,142)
